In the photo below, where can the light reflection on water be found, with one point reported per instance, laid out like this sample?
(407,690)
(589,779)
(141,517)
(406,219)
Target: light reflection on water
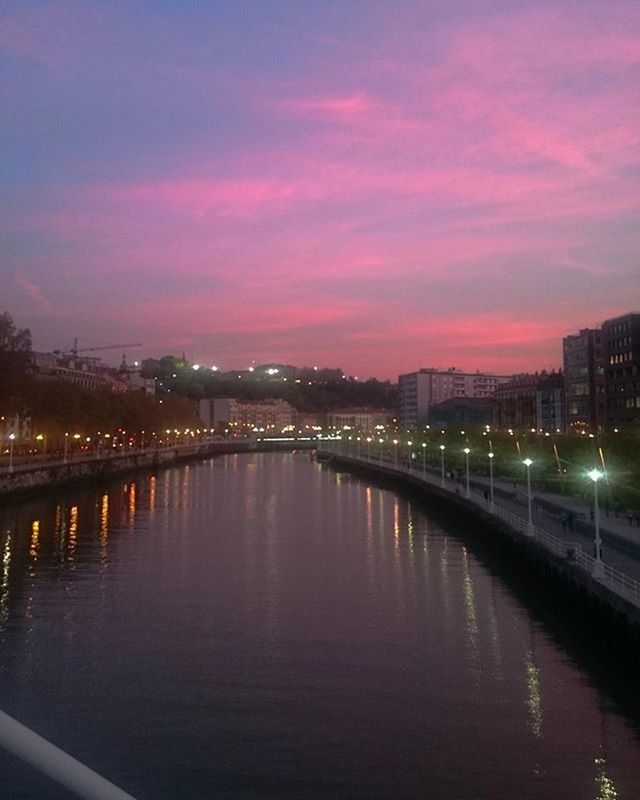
(259,626)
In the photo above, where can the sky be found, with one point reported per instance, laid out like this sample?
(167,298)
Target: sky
(380,186)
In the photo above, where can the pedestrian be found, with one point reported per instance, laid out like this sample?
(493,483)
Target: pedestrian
(563,519)
(630,518)
(486,496)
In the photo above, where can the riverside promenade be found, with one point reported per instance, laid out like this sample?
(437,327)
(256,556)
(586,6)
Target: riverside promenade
(567,545)
(34,477)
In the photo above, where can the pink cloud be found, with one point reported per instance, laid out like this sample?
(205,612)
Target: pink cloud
(35,293)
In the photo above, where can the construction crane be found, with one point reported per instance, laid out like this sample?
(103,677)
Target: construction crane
(75,349)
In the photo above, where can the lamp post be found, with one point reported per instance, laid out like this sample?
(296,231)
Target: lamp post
(381,442)
(12,436)
(409,454)
(598,564)
(424,458)
(66,447)
(395,453)
(442,449)
(467,493)
(491,455)
(528,462)
(368,448)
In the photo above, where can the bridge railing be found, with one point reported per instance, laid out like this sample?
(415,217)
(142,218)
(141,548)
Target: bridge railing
(619,582)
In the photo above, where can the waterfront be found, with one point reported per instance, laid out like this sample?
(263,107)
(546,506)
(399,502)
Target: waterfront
(258,626)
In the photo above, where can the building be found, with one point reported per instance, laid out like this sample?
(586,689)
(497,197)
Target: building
(362,420)
(550,403)
(418,391)
(243,416)
(620,340)
(516,402)
(462,411)
(532,400)
(583,381)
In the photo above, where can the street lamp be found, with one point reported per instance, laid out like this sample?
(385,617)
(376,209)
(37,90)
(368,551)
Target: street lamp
(381,442)
(442,449)
(424,458)
(409,443)
(467,493)
(395,453)
(598,564)
(12,436)
(528,462)
(491,456)
(66,447)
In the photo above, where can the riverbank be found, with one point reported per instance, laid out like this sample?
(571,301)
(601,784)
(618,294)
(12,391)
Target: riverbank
(560,560)
(28,480)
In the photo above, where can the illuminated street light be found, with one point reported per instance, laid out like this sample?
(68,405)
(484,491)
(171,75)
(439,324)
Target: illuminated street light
(395,453)
(528,462)
(12,436)
(66,447)
(424,458)
(442,449)
(598,564)
(466,451)
(491,456)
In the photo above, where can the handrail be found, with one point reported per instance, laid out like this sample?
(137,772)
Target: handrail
(54,762)
(619,582)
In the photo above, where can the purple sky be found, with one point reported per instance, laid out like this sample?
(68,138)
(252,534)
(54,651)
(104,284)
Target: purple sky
(379,186)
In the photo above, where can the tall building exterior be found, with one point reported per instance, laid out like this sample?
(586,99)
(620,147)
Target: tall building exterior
(532,400)
(550,403)
(418,391)
(583,378)
(620,338)
(516,402)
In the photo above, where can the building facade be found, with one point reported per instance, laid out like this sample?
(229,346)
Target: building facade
(516,402)
(583,381)
(620,339)
(550,403)
(242,416)
(362,420)
(418,391)
(462,411)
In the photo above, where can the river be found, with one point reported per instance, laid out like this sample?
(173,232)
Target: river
(260,626)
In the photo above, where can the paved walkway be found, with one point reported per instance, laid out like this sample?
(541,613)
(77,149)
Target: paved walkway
(621,542)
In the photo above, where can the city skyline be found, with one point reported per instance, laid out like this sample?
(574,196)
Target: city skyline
(380,189)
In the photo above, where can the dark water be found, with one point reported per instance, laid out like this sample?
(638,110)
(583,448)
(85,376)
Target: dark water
(260,627)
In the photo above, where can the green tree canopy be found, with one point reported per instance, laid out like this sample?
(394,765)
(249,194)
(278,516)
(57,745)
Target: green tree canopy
(15,360)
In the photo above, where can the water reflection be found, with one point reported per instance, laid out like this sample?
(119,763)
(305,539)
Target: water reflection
(281,619)
(534,697)
(606,789)
(4,586)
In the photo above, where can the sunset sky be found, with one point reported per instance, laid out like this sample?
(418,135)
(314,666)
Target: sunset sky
(379,186)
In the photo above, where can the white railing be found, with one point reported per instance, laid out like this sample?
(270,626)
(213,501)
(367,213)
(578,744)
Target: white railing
(619,582)
(54,762)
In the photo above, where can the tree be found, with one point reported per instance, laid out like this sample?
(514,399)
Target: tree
(15,360)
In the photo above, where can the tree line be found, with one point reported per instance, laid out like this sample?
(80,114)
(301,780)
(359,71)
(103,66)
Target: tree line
(56,407)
